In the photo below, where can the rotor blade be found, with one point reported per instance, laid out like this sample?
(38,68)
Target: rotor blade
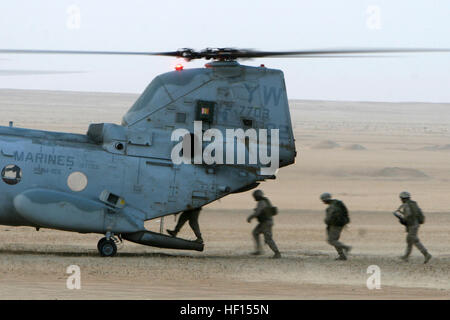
(33,72)
(187,54)
(332,56)
(22,51)
(232,53)
(259,54)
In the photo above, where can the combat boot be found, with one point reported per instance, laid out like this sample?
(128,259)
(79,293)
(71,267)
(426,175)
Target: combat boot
(427,258)
(341,258)
(404,258)
(173,233)
(277,255)
(199,240)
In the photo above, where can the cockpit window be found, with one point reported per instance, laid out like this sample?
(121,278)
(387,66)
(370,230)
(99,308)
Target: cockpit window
(154,97)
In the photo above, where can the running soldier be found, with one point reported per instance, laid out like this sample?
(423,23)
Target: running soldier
(411,216)
(336,219)
(264,212)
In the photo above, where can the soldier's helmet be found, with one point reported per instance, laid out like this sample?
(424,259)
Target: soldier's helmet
(405,195)
(258,194)
(325,196)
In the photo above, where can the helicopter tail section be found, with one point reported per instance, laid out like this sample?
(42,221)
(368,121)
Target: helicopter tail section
(273,95)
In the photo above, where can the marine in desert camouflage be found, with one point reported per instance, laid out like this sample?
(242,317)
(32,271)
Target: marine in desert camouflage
(265,219)
(336,218)
(410,214)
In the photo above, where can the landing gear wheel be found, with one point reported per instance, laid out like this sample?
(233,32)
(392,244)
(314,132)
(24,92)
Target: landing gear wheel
(100,243)
(107,248)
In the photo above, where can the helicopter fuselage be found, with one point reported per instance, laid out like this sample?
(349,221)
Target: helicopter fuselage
(116,177)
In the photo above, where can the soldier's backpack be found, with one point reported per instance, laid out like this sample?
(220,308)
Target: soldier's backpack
(417,212)
(341,218)
(270,210)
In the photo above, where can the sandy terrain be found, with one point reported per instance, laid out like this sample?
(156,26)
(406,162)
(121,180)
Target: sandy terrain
(363,153)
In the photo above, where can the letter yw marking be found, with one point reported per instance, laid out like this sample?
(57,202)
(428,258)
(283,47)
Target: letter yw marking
(272,91)
(251,91)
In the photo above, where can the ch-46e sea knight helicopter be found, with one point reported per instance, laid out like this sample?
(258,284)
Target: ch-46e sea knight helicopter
(114,178)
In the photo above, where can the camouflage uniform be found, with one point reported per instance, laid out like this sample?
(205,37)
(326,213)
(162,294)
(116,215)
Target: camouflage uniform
(264,226)
(192,217)
(410,213)
(333,230)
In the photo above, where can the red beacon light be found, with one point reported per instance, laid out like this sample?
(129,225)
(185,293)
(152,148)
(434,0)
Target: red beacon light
(179,67)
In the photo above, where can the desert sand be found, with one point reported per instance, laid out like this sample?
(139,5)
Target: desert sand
(363,153)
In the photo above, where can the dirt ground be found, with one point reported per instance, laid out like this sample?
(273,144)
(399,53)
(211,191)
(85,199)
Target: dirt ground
(33,264)
(363,153)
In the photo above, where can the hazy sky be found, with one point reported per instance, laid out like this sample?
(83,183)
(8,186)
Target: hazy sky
(137,25)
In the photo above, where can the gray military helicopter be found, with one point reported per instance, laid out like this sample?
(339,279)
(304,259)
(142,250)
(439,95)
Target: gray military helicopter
(114,178)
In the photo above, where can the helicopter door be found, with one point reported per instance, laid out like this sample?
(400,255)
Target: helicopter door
(147,183)
(158,179)
(191,187)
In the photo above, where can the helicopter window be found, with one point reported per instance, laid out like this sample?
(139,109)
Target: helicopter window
(77,181)
(11,174)
(205,111)
(112,198)
(247,122)
(180,117)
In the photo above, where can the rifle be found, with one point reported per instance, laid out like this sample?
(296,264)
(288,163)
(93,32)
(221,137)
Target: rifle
(399,215)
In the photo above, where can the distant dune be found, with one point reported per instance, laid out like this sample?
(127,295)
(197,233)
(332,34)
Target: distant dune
(327,144)
(400,173)
(445,147)
(356,147)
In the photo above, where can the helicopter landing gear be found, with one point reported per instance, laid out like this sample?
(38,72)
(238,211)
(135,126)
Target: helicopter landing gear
(107,246)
